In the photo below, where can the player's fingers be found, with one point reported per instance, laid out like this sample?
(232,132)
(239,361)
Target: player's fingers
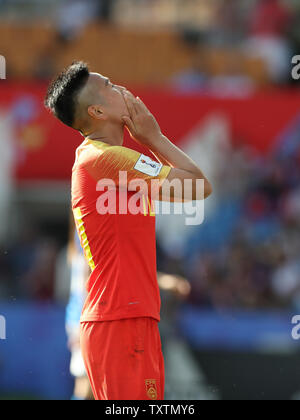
(134,101)
(129,100)
(129,105)
(129,123)
(141,105)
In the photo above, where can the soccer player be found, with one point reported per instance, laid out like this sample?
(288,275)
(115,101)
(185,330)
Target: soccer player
(120,338)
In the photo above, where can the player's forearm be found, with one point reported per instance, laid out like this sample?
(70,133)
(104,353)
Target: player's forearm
(161,158)
(164,149)
(183,165)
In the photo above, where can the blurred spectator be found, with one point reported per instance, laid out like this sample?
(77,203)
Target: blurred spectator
(44,67)
(73,16)
(40,279)
(194,79)
(29,264)
(230,21)
(105,9)
(268,28)
(270,18)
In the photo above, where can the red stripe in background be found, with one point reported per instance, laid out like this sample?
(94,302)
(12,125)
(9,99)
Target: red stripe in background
(46,148)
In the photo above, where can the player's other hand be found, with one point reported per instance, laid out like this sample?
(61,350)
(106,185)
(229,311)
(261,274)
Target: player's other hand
(141,124)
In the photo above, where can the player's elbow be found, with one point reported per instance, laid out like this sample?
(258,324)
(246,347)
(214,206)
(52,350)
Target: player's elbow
(208,190)
(203,192)
(185,189)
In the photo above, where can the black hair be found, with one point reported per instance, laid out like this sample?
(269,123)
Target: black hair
(62,93)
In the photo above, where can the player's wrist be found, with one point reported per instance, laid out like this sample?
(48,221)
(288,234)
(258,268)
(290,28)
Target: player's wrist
(157,141)
(151,139)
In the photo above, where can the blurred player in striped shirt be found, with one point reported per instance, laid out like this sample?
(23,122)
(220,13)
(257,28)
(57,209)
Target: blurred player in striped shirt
(79,272)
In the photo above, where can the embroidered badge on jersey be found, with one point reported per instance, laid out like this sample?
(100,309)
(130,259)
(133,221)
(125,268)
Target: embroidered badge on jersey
(148,166)
(151,388)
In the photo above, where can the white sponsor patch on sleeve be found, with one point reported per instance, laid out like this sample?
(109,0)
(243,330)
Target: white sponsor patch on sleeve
(148,166)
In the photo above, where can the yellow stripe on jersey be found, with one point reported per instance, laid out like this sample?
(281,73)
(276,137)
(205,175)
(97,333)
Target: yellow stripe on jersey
(83,236)
(144,205)
(151,207)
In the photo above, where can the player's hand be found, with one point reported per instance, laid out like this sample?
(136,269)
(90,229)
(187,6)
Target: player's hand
(141,124)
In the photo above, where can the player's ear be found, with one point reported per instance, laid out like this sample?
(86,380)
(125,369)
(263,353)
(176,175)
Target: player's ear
(96,112)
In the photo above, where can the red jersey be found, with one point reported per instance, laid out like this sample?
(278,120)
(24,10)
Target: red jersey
(119,245)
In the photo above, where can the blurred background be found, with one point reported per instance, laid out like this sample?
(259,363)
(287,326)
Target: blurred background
(217,75)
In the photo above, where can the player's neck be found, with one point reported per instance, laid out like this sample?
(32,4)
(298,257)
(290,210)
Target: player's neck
(109,134)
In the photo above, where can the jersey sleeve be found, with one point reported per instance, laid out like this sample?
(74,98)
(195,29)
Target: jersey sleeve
(137,167)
